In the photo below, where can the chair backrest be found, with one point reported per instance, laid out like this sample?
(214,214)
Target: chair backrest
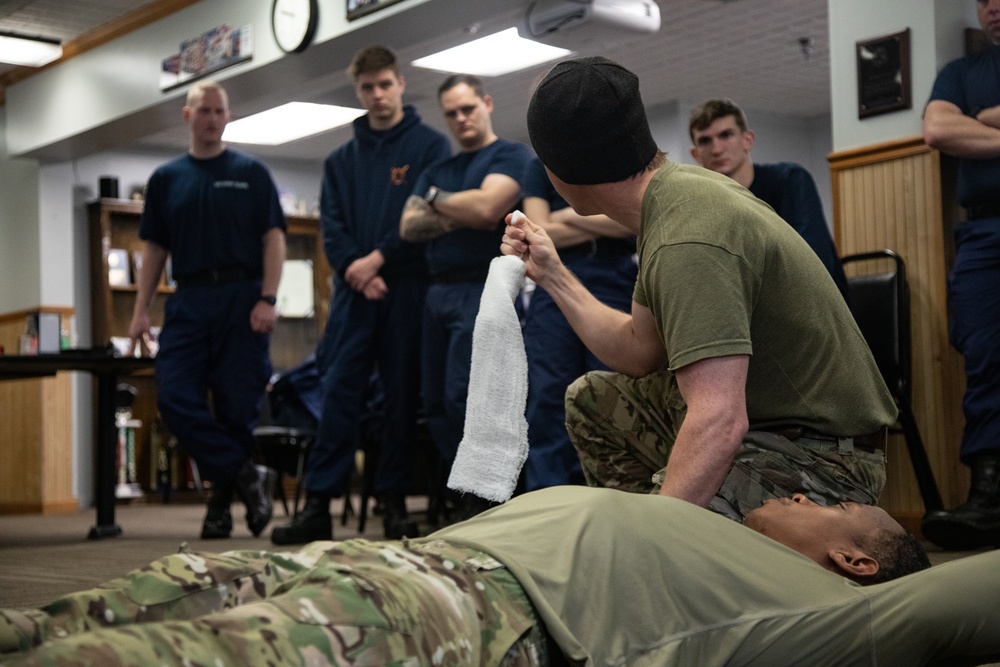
(880,303)
(294,397)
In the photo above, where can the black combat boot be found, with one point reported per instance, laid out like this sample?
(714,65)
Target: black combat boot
(472,505)
(312,523)
(976,523)
(255,487)
(218,522)
(396,520)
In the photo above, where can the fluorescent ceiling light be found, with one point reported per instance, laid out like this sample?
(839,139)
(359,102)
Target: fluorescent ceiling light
(31,51)
(501,53)
(288,122)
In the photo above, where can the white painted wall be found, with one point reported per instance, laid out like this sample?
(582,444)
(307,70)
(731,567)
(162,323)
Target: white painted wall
(935,34)
(20,265)
(935,38)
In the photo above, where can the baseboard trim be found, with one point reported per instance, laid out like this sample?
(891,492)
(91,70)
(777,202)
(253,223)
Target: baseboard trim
(61,506)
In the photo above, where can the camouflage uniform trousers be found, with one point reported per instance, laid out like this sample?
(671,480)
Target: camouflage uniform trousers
(623,429)
(332,603)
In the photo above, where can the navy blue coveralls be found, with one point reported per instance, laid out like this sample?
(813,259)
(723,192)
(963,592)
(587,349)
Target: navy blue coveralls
(212,216)
(972,84)
(365,185)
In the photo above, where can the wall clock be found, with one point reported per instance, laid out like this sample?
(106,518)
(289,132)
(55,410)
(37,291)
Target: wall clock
(293,23)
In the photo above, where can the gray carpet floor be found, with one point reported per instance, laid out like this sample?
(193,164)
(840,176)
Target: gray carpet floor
(43,557)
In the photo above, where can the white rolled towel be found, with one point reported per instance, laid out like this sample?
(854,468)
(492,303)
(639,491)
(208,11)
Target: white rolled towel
(495,439)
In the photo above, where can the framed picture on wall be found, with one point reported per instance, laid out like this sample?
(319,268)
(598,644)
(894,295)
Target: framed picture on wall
(358,8)
(884,74)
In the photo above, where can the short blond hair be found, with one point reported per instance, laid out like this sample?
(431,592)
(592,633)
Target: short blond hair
(195,91)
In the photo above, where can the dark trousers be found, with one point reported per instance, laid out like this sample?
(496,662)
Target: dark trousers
(557,357)
(974,302)
(360,336)
(446,359)
(207,345)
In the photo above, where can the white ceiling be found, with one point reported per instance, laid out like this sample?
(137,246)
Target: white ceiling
(748,50)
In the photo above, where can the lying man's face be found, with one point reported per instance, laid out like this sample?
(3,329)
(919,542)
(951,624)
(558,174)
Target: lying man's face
(814,530)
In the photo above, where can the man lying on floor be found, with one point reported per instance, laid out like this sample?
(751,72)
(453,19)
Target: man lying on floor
(563,573)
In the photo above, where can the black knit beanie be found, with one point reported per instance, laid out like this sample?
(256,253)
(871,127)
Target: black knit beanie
(587,123)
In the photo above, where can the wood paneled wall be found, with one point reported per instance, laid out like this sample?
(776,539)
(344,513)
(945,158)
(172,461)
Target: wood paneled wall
(890,196)
(36,434)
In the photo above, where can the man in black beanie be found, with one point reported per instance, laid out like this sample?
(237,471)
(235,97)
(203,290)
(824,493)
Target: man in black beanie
(726,390)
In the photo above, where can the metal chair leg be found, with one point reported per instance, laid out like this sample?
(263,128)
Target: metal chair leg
(918,456)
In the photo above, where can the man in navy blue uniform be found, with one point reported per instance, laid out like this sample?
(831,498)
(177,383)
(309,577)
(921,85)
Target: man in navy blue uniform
(458,207)
(962,119)
(722,143)
(377,302)
(599,252)
(215,212)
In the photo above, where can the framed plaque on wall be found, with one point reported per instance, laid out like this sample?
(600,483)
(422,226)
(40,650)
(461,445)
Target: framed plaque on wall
(884,74)
(358,8)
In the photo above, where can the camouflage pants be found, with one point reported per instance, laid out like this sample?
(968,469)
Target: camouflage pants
(624,428)
(332,603)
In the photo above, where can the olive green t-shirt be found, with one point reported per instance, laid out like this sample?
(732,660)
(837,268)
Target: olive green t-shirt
(724,275)
(645,580)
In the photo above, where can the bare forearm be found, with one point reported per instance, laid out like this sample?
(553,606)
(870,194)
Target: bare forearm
(420,223)
(154,258)
(274,261)
(596,225)
(563,235)
(714,391)
(474,209)
(538,210)
(951,132)
(610,334)
(699,463)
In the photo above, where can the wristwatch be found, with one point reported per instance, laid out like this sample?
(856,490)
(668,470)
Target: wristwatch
(431,195)
(268,299)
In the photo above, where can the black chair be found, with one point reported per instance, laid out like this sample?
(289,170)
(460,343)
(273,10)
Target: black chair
(880,303)
(285,449)
(288,427)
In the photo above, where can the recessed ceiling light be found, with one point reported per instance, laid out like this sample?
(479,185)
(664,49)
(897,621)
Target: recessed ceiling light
(31,51)
(500,53)
(288,122)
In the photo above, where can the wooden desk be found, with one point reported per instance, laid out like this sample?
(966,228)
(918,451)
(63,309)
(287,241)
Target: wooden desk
(106,368)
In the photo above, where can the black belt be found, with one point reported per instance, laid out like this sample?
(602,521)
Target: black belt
(461,276)
(870,442)
(980,211)
(602,247)
(217,277)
